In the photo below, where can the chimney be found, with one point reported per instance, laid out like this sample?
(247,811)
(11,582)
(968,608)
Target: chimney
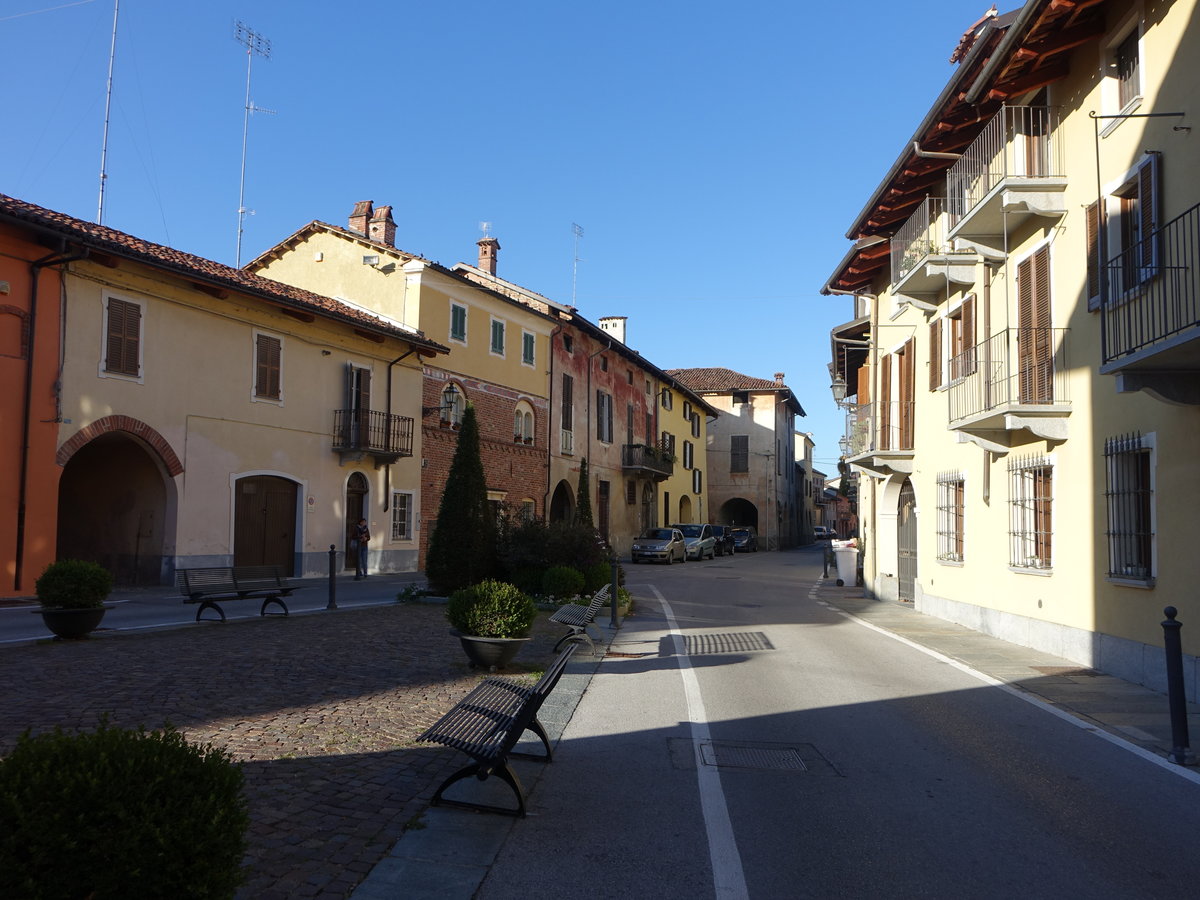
(360,216)
(382,228)
(614,326)
(779,379)
(489,250)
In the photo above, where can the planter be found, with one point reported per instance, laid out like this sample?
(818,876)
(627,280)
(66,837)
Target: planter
(73,624)
(490,653)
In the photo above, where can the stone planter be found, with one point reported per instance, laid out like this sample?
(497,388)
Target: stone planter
(490,653)
(73,624)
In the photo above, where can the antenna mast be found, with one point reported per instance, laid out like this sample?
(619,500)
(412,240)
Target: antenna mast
(112,54)
(578,232)
(254,43)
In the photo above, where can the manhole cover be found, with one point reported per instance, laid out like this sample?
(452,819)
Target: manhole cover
(742,756)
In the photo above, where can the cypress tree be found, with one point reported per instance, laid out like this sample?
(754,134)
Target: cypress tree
(463,544)
(583,509)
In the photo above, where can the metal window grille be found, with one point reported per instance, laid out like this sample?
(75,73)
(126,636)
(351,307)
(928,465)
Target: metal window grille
(951,506)
(401,516)
(1030,487)
(1128,497)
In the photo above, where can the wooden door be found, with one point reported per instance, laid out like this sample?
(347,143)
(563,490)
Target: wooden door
(265,522)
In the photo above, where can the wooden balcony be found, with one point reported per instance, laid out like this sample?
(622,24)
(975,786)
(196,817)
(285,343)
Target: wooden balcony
(640,459)
(360,433)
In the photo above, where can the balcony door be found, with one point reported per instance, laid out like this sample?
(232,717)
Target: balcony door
(358,403)
(1035,338)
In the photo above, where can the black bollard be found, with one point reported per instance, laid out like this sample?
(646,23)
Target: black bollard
(825,554)
(1176,695)
(332,604)
(612,595)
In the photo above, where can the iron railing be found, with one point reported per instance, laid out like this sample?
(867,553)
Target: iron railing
(1153,289)
(649,459)
(372,432)
(873,427)
(922,235)
(1019,142)
(1014,367)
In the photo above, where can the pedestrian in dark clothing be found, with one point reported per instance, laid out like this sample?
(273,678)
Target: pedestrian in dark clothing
(361,537)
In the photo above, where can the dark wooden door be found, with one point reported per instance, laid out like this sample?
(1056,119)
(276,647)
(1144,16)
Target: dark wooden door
(264,523)
(356,505)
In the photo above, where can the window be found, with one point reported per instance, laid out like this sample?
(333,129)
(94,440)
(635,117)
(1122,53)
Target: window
(951,504)
(688,454)
(667,443)
(527,348)
(402,506)
(629,415)
(695,424)
(123,342)
(528,510)
(687,411)
(1035,337)
(697,481)
(267,351)
(1129,497)
(741,398)
(453,405)
(458,323)
(649,428)
(1127,63)
(935,354)
(667,400)
(604,364)
(739,453)
(604,417)
(630,492)
(629,376)
(498,337)
(523,423)
(1030,512)
(1133,222)
(568,343)
(960,330)
(603,516)
(568,403)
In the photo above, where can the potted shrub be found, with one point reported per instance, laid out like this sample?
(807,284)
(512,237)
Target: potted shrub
(492,621)
(72,594)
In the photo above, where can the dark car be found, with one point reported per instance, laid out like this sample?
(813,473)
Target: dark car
(724,537)
(659,545)
(745,538)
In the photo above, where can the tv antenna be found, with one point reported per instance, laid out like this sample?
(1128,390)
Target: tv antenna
(112,55)
(254,43)
(486,228)
(578,232)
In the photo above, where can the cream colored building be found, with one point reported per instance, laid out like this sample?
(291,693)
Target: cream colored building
(1020,363)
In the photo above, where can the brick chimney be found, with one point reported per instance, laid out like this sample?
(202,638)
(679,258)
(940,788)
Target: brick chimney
(489,250)
(382,228)
(779,378)
(361,216)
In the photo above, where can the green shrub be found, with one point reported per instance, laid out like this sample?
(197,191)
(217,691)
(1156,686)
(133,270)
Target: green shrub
(599,574)
(491,609)
(528,579)
(74,584)
(562,581)
(120,813)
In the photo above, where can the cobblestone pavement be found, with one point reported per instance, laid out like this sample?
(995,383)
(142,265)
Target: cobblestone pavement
(321,709)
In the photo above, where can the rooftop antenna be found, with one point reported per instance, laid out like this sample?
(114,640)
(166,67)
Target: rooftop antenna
(254,43)
(486,228)
(578,232)
(112,53)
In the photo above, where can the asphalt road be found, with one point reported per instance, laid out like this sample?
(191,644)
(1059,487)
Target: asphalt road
(769,747)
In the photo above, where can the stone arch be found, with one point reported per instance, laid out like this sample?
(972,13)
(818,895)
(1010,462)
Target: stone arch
(128,424)
(562,503)
(738,511)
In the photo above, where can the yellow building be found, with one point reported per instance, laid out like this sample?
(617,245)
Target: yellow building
(1019,367)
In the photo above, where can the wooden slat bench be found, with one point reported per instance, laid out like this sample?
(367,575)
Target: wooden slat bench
(487,724)
(211,584)
(578,617)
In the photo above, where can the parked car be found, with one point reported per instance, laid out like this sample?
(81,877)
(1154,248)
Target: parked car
(723,535)
(699,539)
(659,545)
(745,538)
(821,533)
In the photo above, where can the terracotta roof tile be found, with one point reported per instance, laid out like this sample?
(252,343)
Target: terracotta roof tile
(720,380)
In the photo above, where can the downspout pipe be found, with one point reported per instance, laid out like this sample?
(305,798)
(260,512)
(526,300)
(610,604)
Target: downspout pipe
(387,470)
(56,258)
(933,154)
(550,429)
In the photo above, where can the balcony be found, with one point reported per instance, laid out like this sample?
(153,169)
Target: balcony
(1150,326)
(881,437)
(1014,381)
(1012,171)
(358,433)
(639,459)
(922,259)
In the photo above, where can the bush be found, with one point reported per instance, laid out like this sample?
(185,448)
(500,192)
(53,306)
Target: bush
(120,813)
(599,574)
(528,580)
(74,584)
(562,581)
(491,609)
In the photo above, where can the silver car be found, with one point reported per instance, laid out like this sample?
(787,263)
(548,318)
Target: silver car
(700,541)
(659,545)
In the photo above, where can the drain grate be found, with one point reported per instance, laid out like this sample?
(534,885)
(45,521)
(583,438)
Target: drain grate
(727,755)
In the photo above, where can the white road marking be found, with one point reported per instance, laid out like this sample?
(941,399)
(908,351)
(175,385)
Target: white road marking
(729,881)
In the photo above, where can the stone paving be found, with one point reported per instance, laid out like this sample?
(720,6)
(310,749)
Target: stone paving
(321,709)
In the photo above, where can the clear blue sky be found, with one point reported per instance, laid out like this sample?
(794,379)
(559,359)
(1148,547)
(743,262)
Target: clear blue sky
(713,153)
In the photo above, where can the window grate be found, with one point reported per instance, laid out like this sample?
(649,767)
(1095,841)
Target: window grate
(1030,512)
(1129,500)
(951,508)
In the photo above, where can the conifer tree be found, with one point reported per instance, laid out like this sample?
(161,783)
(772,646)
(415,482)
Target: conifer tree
(462,547)
(583,509)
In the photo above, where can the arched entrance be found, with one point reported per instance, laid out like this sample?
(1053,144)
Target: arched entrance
(356,506)
(264,522)
(562,504)
(112,509)
(906,543)
(738,511)
(649,507)
(685,510)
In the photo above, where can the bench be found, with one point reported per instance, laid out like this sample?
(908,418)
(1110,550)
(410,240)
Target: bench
(578,617)
(487,724)
(208,585)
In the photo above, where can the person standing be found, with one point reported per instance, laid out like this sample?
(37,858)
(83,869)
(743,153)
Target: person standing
(362,537)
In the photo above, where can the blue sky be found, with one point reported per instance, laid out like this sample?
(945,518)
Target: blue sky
(713,153)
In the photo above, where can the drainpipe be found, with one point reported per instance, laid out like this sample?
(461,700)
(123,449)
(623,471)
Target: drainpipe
(56,258)
(550,430)
(933,154)
(387,470)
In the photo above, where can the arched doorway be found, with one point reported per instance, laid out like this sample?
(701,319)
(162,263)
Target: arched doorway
(264,522)
(562,504)
(685,510)
(906,543)
(112,502)
(649,507)
(356,506)
(739,511)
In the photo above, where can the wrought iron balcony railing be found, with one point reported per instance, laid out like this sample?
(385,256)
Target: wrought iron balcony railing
(649,460)
(377,433)
(1013,369)
(880,427)
(923,235)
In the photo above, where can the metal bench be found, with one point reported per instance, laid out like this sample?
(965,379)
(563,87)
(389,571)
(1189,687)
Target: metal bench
(487,724)
(578,617)
(209,585)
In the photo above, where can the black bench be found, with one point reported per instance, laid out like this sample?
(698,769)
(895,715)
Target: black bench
(578,617)
(208,585)
(486,725)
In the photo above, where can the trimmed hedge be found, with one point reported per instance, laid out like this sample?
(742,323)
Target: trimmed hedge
(492,609)
(562,581)
(73,584)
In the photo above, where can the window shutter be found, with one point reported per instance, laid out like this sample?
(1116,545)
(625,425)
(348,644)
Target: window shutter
(267,352)
(1148,181)
(568,385)
(124,336)
(968,335)
(1092,226)
(885,403)
(935,354)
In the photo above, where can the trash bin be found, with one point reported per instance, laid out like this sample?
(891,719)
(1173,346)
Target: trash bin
(846,555)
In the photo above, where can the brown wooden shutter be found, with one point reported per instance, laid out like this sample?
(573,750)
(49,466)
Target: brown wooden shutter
(935,354)
(568,403)
(885,403)
(124,337)
(1092,222)
(969,338)
(1148,181)
(267,354)
(908,372)
(1035,361)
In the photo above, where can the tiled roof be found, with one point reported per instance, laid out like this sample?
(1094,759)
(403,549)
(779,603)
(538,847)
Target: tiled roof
(721,380)
(102,239)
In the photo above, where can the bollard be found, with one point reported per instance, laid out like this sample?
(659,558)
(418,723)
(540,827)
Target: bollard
(612,595)
(332,604)
(828,552)
(1176,696)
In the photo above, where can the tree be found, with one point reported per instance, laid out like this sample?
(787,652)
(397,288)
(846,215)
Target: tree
(583,509)
(463,544)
